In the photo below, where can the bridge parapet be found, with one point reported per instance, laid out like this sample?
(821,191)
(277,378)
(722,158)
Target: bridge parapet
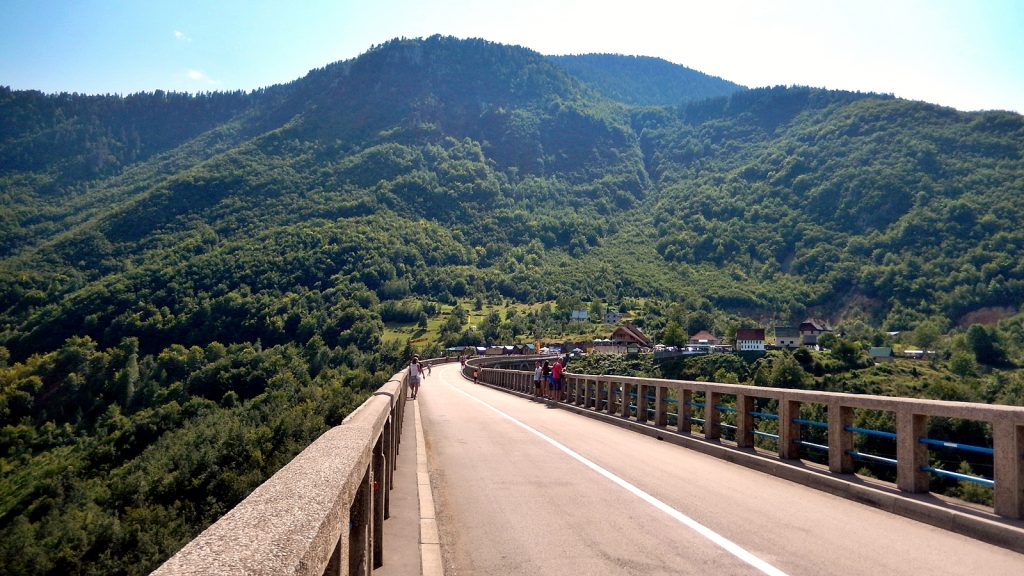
(663,400)
(322,513)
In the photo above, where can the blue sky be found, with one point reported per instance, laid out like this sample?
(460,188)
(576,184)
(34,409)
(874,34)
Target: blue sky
(961,53)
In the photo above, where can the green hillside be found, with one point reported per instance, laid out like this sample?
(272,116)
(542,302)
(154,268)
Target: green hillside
(192,288)
(644,80)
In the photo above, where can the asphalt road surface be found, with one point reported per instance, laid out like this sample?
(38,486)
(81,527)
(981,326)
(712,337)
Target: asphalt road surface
(521,488)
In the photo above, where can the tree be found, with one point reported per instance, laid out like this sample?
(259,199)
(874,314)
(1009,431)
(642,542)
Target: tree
(962,364)
(699,320)
(926,334)
(846,352)
(786,372)
(673,334)
(984,343)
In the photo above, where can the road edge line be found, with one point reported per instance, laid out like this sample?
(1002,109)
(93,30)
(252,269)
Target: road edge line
(430,543)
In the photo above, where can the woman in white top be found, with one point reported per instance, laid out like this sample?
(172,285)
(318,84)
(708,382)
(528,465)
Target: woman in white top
(415,375)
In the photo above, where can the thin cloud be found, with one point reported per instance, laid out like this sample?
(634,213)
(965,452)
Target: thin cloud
(181,36)
(200,76)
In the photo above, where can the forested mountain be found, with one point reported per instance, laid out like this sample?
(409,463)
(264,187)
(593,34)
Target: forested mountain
(644,80)
(194,287)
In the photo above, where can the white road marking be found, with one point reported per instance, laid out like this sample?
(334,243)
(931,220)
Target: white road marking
(723,542)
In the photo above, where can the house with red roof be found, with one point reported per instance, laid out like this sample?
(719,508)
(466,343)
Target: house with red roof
(750,339)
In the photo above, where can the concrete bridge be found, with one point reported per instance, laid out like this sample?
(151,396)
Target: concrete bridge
(479,478)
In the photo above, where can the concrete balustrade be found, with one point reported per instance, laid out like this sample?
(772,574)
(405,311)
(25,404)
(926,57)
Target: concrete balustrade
(612,395)
(321,514)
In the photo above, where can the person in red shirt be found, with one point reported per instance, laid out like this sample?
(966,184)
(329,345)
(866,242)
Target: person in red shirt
(556,381)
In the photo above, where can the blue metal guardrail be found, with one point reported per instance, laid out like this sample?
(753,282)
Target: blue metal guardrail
(854,453)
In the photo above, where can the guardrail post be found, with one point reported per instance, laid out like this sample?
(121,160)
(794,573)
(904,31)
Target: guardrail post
(744,421)
(911,454)
(624,387)
(840,440)
(641,403)
(660,417)
(588,394)
(789,431)
(712,417)
(1008,460)
(684,410)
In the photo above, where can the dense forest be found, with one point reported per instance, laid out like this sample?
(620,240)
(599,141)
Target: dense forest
(193,287)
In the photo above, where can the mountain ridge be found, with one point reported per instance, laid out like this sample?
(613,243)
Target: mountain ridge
(182,312)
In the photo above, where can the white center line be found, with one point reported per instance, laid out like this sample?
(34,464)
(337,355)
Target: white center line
(723,542)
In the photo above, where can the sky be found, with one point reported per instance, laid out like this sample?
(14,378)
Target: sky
(968,54)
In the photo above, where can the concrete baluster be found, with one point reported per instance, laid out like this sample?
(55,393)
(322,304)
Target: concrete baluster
(840,440)
(641,403)
(911,454)
(744,421)
(712,417)
(789,431)
(379,489)
(340,556)
(388,479)
(660,416)
(684,410)
(360,535)
(1008,458)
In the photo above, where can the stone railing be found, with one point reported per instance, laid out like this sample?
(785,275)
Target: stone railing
(322,513)
(616,396)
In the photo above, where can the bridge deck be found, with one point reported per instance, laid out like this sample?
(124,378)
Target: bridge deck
(524,489)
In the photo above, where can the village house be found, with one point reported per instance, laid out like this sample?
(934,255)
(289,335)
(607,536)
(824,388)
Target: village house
(612,317)
(705,338)
(630,334)
(580,315)
(810,330)
(880,354)
(787,337)
(750,339)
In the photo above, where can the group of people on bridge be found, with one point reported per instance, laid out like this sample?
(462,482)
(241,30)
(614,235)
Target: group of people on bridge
(548,381)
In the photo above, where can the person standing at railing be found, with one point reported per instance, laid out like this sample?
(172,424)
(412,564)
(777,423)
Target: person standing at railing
(556,381)
(415,375)
(537,375)
(545,372)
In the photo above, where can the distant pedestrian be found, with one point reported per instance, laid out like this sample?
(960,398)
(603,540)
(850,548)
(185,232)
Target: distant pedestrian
(415,375)
(537,375)
(476,375)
